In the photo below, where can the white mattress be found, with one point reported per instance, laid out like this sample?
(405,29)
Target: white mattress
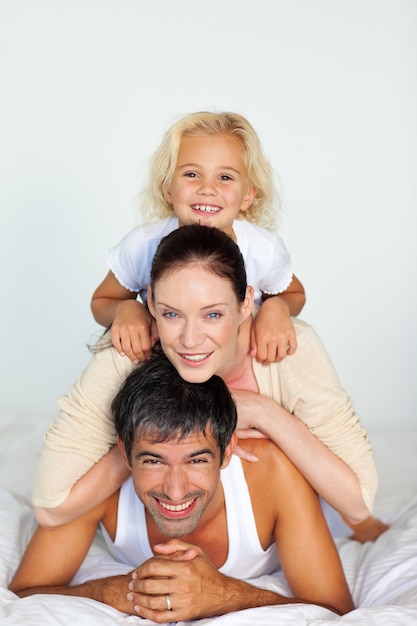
(381,575)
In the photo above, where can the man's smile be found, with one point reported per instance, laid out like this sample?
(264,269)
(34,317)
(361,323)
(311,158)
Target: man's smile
(170,511)
(177,508)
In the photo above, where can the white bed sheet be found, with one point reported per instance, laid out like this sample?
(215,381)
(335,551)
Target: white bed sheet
(381,575)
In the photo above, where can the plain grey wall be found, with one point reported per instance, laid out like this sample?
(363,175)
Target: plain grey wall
(88,88)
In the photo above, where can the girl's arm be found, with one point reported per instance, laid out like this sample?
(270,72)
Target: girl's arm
(272,335)
(133,331)
(294,297)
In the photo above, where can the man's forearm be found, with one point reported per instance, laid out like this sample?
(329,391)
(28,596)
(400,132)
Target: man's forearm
(112,591)
(240,595)
(231,596)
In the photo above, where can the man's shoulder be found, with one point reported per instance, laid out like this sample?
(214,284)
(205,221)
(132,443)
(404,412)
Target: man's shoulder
(271,459)
(272,482)
(272,462)
(107,513)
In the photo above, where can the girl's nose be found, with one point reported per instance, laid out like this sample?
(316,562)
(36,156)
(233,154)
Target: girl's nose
(207,187)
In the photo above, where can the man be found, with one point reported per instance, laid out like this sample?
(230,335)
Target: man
(193,519)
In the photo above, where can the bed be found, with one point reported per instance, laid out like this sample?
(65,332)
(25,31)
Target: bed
(382,575)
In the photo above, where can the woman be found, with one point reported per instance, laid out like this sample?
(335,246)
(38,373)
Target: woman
(203,309)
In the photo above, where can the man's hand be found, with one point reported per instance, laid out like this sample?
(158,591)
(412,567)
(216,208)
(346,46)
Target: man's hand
(181,577)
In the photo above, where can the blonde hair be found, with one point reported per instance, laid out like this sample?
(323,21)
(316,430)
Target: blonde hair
(264,210)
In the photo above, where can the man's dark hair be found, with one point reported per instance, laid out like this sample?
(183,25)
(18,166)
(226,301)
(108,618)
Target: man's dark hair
(156,403)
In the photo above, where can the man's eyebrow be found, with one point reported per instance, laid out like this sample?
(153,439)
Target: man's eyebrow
(161,457)
(200,452)
(139,455)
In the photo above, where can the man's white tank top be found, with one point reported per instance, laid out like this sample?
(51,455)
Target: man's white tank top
(246,557)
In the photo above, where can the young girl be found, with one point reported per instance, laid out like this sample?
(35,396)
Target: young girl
(209,169)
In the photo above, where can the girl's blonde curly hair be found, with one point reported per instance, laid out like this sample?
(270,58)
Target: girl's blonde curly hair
(265,208)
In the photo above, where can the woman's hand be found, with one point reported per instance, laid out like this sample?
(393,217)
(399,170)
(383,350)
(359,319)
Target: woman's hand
(241,451)
(254,412)
(247,402)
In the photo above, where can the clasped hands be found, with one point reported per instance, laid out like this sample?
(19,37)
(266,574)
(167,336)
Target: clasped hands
(179,576)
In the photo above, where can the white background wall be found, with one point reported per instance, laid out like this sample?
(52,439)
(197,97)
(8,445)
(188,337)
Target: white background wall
(88,88)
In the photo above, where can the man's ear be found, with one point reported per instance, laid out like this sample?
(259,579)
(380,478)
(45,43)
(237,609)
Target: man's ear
(123,452)
(230,448)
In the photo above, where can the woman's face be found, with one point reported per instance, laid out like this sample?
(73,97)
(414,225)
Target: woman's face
(198,318)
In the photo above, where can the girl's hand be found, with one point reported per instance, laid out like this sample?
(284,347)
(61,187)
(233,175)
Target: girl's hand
(272,334)
(134,332)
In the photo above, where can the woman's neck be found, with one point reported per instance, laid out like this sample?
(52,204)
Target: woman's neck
(239,374)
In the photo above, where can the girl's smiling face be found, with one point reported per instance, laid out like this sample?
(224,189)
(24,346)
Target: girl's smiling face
(210,184)
(198,318)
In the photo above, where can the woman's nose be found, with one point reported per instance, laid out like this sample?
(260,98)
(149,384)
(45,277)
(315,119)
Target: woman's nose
(191,335)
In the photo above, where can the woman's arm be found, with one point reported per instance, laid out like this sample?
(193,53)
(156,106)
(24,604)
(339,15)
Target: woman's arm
(82,433)
(328,475)
(94,487)
(307,386)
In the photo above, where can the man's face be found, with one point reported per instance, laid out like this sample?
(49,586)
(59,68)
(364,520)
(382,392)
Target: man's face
(178,480)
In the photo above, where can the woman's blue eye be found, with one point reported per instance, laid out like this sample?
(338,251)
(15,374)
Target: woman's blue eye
(170,314)
(213,315)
